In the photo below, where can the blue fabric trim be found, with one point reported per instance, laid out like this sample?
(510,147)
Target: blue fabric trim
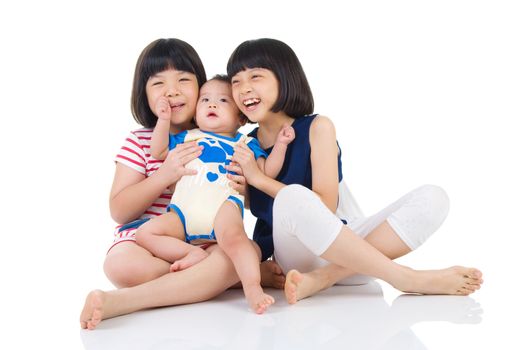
(233,139)
(133,224)
(177,210)
(237,202)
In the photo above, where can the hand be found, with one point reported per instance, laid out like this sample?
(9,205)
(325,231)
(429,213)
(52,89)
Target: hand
(173,168)
(246,160)
(286,135)
(163,108)
(238,181)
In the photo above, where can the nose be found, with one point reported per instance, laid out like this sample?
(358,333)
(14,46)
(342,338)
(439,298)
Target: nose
(245,87)
(172,91)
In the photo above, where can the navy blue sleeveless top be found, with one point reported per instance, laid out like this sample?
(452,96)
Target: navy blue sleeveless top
(297,169)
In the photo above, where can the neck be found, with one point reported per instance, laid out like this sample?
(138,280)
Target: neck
(269,128)
(177,128)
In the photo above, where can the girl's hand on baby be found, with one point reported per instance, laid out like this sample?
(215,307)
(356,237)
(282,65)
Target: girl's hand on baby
(286,134)
(246,159)
(163,108)
(238,181)
(174,165)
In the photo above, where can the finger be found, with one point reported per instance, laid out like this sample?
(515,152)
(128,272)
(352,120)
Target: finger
(186,159)
(186,145)
(190,171)
(189,151)
(235,169)
(243,145)
(241,151)
(241,180)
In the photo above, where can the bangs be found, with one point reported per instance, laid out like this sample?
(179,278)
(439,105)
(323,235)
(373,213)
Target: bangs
(163,58)
(250,54)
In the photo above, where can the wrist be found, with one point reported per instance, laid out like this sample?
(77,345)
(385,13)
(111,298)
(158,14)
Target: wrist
(256,180)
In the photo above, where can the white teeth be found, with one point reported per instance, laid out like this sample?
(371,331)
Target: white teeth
(251,101)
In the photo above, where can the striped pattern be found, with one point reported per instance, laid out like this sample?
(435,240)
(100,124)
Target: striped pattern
(135,153)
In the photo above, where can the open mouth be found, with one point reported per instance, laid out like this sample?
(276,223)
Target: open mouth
(212,115)
(251,102)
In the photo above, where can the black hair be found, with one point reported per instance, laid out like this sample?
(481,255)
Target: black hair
(221,77)
(160,55)
(295,96)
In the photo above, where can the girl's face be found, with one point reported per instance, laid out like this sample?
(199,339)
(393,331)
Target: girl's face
(180,88)
(255,91)
(216,110)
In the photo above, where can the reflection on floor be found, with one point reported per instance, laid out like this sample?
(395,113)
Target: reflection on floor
(342,317)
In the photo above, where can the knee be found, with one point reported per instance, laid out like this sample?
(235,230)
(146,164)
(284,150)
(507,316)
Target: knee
(232,239)
(434,203)
(289,200)
(123,272)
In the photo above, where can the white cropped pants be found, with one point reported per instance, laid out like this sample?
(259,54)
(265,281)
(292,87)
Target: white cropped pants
(303,227)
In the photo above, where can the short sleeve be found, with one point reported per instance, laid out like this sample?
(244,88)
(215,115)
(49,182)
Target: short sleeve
(132,153)
(254,145)
(176,139)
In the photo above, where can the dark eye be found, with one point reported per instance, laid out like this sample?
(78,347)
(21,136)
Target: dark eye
(204,99)
(234,82)
(156,83)
(224,100)
(185,79)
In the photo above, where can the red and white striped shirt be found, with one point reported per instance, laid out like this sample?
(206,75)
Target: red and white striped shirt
(135,153)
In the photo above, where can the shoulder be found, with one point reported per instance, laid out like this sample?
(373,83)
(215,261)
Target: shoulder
(322,126)
(139,137)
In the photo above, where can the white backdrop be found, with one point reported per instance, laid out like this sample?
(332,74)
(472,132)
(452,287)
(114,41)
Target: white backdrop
(420,92)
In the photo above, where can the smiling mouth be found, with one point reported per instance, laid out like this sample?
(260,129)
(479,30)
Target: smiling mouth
(177,105)
(250,102)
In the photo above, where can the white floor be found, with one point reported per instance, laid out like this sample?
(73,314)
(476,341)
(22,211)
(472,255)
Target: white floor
(343,317)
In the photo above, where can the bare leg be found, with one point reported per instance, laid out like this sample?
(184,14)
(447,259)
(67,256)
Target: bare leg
(200,282)
(232,238)
(164,237)
(299,286)
(349,250)
(127,264)
(302,285)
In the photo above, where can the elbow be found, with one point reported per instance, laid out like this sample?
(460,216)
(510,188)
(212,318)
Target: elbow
(119,216)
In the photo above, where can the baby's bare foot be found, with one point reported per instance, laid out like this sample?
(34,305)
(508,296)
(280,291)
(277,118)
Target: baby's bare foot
(257,299)
(456,280)
(92,313)
(271,275)
(192,258)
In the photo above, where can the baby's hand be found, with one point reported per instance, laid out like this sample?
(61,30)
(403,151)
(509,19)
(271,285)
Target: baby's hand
(163,108)
(286,135)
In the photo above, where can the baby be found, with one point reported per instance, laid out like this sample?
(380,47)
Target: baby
(204,208)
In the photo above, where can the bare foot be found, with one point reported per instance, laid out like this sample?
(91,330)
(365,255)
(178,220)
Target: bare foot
(257,299)
(92,313)
(302,285)
(193,257)
(271,275)
(456,280)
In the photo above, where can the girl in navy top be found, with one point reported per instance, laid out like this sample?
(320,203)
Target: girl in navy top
(306,217)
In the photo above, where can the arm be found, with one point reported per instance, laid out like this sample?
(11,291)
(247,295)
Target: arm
(252,173)
(325,178)
(273,164)
(133,193)
(159,145)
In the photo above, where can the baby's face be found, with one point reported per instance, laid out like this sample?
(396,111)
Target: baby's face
(216,110)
